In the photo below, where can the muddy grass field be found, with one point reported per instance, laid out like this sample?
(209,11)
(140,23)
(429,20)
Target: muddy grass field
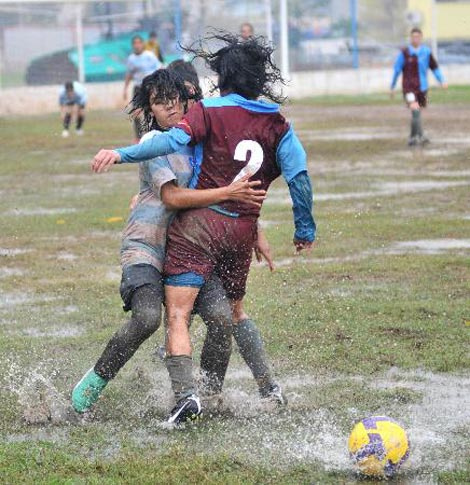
(376,320)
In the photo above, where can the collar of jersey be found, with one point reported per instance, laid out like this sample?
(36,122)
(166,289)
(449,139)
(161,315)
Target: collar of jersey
(413,50)
(237,100)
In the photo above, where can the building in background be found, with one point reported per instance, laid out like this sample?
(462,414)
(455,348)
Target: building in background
(452,18)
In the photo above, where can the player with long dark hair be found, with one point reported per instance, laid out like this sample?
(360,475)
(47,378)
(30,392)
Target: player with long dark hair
(163,98)
(232,135)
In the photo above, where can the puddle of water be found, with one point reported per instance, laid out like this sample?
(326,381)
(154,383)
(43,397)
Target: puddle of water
(383,189)
(429,246)
(64,256)
(13,251)
(8,272)
(41,211)
(12,299)
(62,331)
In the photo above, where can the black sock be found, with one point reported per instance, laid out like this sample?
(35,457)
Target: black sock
(251,348)
(80,120)
(415,123)
(180,370)
(67,119)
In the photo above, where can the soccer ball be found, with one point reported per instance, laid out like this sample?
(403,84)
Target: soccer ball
(378,446)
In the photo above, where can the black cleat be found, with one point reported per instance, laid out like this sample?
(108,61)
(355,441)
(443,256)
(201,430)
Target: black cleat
(275,395)
(186,409)
(413,141)
(424,140)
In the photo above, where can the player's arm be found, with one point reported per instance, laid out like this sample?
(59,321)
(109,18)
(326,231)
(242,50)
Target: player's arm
(159,53)
(191,130)
(172,141)
(436,70)
(127,81)
(243,190)
(292,161)
(163,184)
(397,70)
(262,249)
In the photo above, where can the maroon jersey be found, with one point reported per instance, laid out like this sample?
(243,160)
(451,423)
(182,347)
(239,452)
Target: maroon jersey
(234,136)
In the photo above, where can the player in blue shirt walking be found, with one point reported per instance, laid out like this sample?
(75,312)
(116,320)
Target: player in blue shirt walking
(413,63)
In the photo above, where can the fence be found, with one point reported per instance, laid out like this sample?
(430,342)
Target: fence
(38,40)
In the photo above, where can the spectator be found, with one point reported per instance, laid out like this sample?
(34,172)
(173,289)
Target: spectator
(153,45)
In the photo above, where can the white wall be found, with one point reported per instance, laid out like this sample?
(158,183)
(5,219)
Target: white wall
(36,100)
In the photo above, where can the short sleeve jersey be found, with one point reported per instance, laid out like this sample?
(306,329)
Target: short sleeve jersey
(144,238)
(79,95)
(232,136)
(141,65)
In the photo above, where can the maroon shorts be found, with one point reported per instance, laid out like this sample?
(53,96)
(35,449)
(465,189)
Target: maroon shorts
(421,97)
(203,241)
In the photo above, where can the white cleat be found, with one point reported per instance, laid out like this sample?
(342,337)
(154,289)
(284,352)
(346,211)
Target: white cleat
(80,132)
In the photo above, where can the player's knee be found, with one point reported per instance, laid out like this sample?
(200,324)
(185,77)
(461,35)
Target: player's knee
(147,318)
(217,315)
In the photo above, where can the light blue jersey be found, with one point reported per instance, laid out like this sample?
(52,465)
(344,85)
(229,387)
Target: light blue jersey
(144,238)
(415,77)
(141,65)
(79,95)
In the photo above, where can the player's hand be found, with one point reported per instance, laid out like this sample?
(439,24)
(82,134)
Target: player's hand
(444,85)
(263,250)
(243,190)
(133,201)
(104,159)
(303,245)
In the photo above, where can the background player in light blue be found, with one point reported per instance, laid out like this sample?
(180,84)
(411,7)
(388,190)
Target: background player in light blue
(140,63)
(72,101)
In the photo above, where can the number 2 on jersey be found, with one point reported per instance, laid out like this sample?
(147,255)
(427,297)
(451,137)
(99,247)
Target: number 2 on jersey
(256,158)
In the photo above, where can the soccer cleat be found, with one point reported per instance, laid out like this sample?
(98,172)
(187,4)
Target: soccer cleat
(65,133)
(87,391)
(80,132)
(186,409)
(424,140)
(275,395)
(413,141)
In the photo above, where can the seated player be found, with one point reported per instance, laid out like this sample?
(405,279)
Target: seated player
(233,135)
(413,63)
(163,100)
(72,101)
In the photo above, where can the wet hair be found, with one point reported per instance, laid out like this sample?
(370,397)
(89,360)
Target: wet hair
(162,86)
(137,37)
(188,74)
(152,34)
(69,86)
(416,30)
(243,67)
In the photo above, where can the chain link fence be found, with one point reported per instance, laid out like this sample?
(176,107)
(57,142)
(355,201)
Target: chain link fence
(38,40)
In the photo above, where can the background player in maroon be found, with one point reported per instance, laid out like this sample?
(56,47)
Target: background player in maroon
(231,135)
(413,63)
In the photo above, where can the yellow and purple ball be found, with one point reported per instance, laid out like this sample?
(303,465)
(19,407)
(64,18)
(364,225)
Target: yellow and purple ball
(378,446)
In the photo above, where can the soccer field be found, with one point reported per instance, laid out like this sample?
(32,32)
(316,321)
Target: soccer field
(375,321)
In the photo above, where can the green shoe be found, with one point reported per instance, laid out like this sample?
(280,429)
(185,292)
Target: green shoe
(87,391)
